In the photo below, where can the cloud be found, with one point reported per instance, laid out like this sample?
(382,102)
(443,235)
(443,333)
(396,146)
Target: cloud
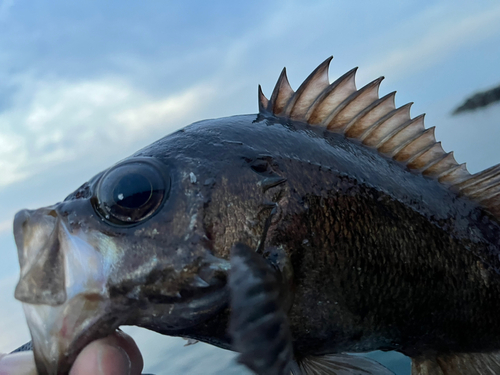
(56,122)
(12,157)
(5,226)
(430,38)
(13,324)
(171,109)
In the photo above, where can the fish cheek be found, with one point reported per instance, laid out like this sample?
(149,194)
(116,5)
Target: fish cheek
(236,212)
(163,255)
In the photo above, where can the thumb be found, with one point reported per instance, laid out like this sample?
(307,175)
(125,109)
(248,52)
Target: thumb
(116,354)
(22,363)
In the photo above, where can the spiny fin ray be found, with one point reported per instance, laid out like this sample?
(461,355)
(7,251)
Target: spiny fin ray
(457,364)
(281,94)
(378,131)
(440,165)
(314,85)
(263,102)
(376,122)
(370,115)
(331,97)
(349,108)
(340,364)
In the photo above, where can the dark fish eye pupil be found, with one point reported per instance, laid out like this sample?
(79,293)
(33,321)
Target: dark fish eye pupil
(132,191)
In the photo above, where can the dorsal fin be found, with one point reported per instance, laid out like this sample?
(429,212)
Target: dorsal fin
(377,123)
(281,94)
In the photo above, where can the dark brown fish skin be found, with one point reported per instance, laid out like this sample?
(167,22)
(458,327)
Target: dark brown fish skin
(383,258)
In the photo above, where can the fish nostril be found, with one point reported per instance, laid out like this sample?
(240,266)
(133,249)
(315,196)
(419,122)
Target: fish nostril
(21,217)
(20,221)
(32,230)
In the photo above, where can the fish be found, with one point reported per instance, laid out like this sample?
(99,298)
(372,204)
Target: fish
(330,222)
(479,100)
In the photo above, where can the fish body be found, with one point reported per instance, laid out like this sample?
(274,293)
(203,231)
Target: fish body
(369,251)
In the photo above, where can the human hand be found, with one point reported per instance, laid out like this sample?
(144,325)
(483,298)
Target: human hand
(116,354)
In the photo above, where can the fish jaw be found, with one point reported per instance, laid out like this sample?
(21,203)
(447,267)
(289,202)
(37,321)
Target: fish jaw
(62,287)
(60,333)
(203,296)
(79,284)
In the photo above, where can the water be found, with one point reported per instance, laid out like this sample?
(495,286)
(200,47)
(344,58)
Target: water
(167,355)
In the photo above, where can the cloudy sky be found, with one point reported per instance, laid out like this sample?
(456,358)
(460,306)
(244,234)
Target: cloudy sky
(84,84)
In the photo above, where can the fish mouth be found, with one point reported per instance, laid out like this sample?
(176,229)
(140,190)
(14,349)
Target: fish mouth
(190,296)
(190,305)
(68,300)
(60,333)
(63,289)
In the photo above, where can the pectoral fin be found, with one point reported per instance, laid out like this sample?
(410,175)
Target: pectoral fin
(259,325)
(340,364)
(24,348)
(457,364)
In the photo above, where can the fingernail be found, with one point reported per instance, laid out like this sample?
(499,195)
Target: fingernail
(101,358)
(113,360)
(22,363)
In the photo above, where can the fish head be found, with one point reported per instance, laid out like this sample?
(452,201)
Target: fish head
(145,242)
(127,248)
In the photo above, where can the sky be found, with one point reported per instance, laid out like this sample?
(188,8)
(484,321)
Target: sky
(85,84)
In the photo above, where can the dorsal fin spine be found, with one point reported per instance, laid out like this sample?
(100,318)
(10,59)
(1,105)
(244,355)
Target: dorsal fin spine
(435,152)
(480,177)
(481,185)
(426,150)
(335,121)
(376,122)
(263,102)
(455,175)
(379,128)
(433,163)
(304,97)
(484,194)
(415,145)
(495,196)
(440,166)
(370,115)
(281,94)
(401,135)
(333,95)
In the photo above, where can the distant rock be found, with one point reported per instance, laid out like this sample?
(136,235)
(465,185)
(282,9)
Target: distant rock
(479,100)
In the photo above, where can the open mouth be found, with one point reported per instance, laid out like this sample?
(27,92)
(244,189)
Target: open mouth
(188,307)
(60,333)
(190,295)
(90,307)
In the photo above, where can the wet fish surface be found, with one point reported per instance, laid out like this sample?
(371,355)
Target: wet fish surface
(329,222)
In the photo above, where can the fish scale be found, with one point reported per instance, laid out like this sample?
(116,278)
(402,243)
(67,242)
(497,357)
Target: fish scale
(331,216)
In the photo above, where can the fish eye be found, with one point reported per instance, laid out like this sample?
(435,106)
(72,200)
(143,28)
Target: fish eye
(131,192)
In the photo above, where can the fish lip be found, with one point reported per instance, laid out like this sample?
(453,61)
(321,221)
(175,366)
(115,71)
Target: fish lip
(190,294)
(192,305)
(93,312)
(177,317)
(56,351)
(60,329)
